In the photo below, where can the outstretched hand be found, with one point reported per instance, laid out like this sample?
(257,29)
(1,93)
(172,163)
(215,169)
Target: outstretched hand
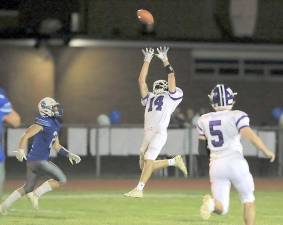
(162,53)
(148,54)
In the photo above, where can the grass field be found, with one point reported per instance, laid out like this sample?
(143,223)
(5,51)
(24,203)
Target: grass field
(156,208)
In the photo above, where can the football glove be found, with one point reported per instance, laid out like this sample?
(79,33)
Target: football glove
(21,154)
(162,53)
(73,157)
(148,54)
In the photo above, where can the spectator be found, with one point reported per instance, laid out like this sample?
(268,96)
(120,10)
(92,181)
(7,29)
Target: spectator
(189,117)
(178,118)
(11,117)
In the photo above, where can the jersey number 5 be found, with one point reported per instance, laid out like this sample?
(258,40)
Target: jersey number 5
(158,102)
(216,133)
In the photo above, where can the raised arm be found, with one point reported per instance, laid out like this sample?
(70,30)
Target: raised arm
(162,55)
(249,134)
(148,54)
(30,132)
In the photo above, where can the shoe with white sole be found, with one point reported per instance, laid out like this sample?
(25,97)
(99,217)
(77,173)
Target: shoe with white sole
(33,199)
(207,207)
(135,193)
(181,164)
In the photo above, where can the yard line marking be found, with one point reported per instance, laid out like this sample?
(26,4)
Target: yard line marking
(117,195)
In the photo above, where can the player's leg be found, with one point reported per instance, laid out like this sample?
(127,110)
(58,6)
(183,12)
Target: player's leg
(244,184)
(150,142)
(2,176)
(220,188)
(31,178)
(177,161)
(58,178)
(11,199)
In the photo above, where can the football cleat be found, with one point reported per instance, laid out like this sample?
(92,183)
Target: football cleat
(222,97)
(3,211)
(135,193)
(207,207)
(33,199)
(181,164)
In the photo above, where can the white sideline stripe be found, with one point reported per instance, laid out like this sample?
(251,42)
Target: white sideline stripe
(119,195)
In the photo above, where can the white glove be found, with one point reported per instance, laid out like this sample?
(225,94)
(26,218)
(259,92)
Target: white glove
(148,54)
(21,154)
(162,53)
(74,157)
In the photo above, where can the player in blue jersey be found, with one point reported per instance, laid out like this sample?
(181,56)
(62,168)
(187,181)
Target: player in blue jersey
(9,116)
(45,137)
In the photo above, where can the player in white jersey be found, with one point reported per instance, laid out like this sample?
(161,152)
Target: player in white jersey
(221,131)
(159,105)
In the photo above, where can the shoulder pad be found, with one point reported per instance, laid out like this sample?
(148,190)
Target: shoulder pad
(43,121)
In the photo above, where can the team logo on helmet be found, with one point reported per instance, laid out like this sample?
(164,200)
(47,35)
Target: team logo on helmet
(222,97)
(160,86)
(49,107)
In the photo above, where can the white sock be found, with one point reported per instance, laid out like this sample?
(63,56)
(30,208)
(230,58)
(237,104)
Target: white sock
(42,189)
(171,162)
(140,186)
(11,199)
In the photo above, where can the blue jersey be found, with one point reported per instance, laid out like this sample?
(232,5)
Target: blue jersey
(5,109)
(43,140)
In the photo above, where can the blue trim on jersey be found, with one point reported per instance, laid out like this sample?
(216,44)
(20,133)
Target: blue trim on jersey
(146,97)
(242,117)
(175,98)
(173,91)
(199,128)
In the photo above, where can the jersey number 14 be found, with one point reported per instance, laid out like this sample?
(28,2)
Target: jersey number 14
(156,102)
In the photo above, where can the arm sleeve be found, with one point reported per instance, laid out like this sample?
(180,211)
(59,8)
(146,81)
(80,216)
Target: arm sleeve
(242,120)
(5,105)
(42,121)
(177,95)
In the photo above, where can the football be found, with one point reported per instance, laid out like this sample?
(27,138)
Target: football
(145,16)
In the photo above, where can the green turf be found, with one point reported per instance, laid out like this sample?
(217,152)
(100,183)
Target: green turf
(156,208)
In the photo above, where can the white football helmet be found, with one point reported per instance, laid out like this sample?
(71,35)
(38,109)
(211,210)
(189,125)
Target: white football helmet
(160,86)
(49,107)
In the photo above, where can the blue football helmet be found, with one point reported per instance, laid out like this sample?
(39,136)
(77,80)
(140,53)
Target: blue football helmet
(49,107)
(222,97)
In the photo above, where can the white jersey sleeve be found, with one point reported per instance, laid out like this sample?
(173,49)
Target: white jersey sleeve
(146,98)
(241,119)
(176,96)
(199,127)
